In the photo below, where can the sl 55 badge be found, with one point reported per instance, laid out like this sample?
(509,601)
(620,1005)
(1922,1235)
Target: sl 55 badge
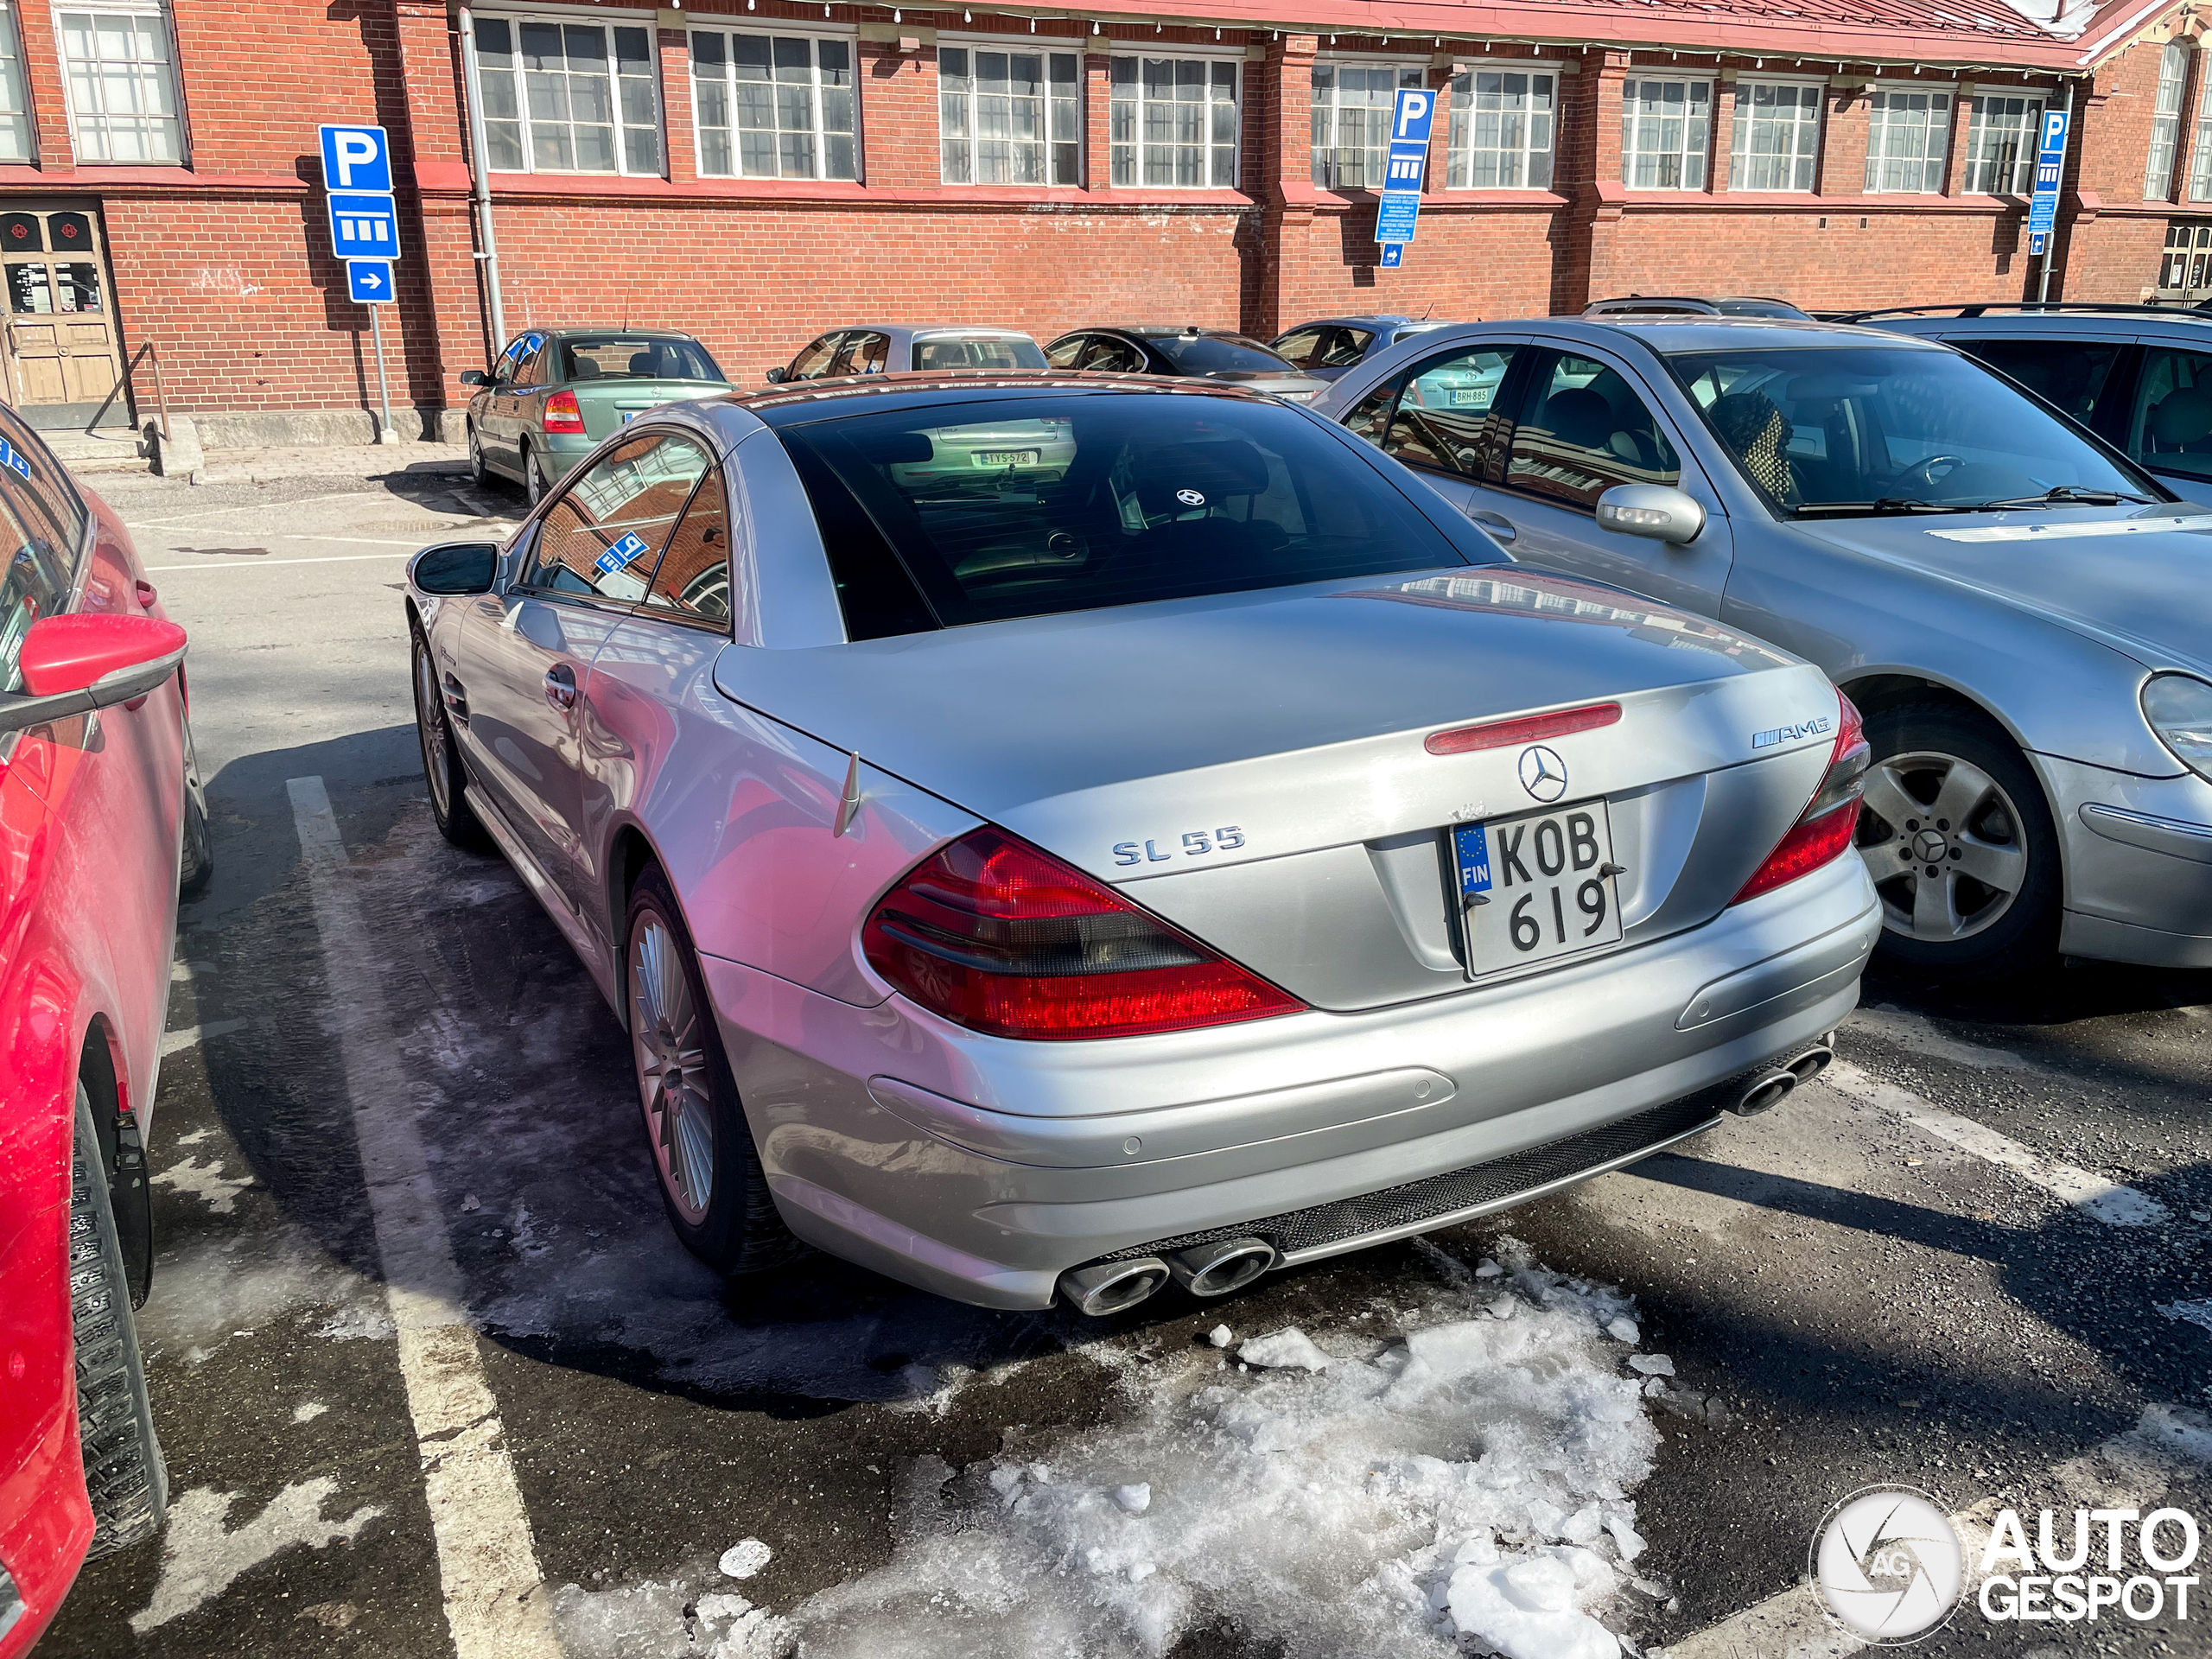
(1193,843)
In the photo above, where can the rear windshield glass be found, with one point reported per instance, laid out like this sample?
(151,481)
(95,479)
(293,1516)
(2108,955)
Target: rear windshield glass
(634,357)
(981,511)
(1218,354)
(984,352)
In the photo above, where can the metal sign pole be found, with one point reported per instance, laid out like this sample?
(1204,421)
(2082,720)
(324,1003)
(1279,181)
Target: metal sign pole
(384,387)
(2050,241)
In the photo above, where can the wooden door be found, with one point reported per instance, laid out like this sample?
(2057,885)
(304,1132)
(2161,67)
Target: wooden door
(63,353)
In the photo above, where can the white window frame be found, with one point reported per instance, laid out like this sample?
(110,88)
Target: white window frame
(820,133)
(1459,149)
(18,134)
(1692,151)
(2198,186)
(1935,166)
(2020,178)
(2165,122)
(1328,170)
(1135,145)
(91,130)
(1742,116)
(1050,106)
(517,84)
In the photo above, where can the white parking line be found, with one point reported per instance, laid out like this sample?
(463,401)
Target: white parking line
(2094,1195)
(487,1559)
(175,519)
(263,564)
(175,1042)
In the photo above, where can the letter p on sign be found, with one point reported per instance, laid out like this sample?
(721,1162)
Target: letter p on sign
(1413,114)
(355,157)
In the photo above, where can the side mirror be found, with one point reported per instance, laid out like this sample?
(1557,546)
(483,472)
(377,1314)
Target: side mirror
(455,567)
(1658,511)
(475,377)
(75,663)
(777,376)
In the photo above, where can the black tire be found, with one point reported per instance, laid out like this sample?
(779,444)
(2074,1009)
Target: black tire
(447,779)
(125,1475)
(737,1230)
(1912,744)
(477,469)
(195,862)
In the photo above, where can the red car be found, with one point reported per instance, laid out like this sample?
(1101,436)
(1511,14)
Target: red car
(100,813)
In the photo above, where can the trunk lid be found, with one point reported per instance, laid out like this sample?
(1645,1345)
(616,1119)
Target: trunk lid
(1123,741)
(609,402)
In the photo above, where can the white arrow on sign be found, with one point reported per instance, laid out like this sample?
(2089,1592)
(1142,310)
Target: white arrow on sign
(371,280)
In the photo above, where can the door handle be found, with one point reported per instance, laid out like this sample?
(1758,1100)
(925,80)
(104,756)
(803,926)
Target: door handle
(561,687)
(1496,523)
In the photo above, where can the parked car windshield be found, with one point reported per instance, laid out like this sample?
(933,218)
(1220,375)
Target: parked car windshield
(978,351)
(1834,431)
(1218,354)
(978,512)
(636,357)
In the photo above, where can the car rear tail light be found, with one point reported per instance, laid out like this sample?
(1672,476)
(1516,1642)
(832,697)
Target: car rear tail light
(1535,728)
(1823,832)
(564,413)
(1003,938)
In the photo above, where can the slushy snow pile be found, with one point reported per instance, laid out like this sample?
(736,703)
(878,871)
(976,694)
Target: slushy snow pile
(1470,1475)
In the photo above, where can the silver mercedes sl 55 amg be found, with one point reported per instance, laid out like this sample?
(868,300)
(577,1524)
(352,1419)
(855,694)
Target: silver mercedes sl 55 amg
(1058,835)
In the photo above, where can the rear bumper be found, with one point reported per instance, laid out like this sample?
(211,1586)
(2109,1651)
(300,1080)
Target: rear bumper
(981,1168)
(2138,864)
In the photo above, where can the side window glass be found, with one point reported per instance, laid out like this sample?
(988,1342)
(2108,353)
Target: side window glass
(40,491)
(1343,348)
(1299,347)
(1111,356)
(505,369)
(1443,418)
(847,357)
(1372,417)
(530,364)
(872,353)
(1063,354)
(692,578)
(2069,374)
(603,534)
(815,359)
(2170,426)
(1582,430)
(33,582)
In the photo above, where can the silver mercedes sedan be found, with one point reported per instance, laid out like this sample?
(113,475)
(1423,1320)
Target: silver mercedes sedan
(2023,614)
(1161,842)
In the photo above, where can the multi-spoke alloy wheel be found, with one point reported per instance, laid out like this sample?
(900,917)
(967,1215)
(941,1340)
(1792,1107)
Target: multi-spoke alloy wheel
(672,1076)
(1943,841)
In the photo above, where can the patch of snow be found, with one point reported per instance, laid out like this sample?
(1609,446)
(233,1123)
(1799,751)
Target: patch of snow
(1390,1506)
(2197,1314)
(366,1320)
(1221,1336)
(206,1182)
(309,1412)
(470,1203)
(743,1559)
(1288,1348)
(246,1281)
(653,1619)
(1623,1330)
(1651,1364)
(1134,1499)
(1487,1269)
(201,1557)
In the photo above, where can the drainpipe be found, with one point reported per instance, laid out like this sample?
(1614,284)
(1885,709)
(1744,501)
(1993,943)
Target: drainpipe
(479,166)
(2050,244)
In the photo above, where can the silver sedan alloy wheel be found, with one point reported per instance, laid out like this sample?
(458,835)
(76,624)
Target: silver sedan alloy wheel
(432,729)
(1944,844)
(668,1045)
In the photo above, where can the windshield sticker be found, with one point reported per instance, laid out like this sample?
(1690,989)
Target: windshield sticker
(2198,521)
(622,553)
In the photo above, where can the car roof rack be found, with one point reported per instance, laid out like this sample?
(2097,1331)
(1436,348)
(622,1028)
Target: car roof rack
(1655,302)
(1983,307)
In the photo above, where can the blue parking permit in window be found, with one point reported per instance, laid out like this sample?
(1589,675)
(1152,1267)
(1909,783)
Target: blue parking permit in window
(1470,848)
(13,461)
(622,553)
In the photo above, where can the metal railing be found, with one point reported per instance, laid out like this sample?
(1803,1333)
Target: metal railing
(145,352)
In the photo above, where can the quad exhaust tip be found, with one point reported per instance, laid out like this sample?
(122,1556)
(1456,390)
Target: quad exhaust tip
(1217,1268)
(1113,1287)
(1770,1088)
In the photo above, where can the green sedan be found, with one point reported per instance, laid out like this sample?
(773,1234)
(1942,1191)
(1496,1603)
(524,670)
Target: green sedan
(555,393)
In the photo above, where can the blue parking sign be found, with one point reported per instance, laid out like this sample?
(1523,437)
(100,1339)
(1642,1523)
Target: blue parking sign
(624,552)
(368,282)
(364,226)
(356,158)
(1394,254)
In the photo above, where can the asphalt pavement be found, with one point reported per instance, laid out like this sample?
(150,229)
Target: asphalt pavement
(418,1326)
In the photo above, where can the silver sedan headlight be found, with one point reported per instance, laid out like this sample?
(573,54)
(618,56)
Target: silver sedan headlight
(2179,709)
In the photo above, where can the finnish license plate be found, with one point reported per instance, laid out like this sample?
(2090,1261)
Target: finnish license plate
(1006,457)
(1471,398)
(1537,887)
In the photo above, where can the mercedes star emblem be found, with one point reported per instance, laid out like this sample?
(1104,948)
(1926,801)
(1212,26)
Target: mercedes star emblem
(1543,774)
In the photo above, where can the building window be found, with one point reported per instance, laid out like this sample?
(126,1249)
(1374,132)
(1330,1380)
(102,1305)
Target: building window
(1010,117)
(2003,134)
(2186,269)
(1777,136)
(122,79)
(1353,103)
(774,106)
(2165,123)
(1666,128)
(1501,129)
(1174,122)
(568,98)
(2200,148)
(1908,139)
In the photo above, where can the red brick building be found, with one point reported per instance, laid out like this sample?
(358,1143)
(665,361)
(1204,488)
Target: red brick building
(757,170)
